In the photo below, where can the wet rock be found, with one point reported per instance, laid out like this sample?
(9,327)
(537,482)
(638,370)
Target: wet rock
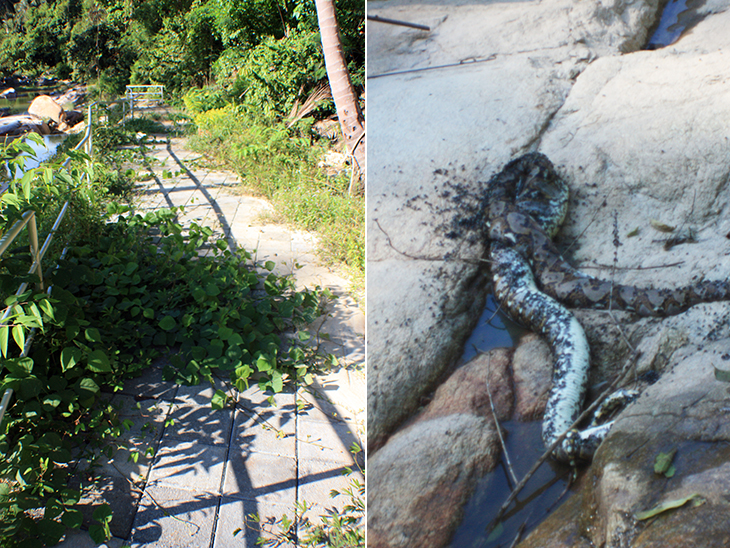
(685,411)
(21,124)
(421,478)
(532,369)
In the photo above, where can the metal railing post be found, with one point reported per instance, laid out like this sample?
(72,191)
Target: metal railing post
(37,254)
(33,236)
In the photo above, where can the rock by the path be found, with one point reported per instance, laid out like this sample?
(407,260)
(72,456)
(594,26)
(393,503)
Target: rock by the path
(45,108)
(21,124)
(72,96)
(421,478)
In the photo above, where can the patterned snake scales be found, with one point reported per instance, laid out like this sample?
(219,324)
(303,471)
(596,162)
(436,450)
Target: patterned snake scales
(527,203)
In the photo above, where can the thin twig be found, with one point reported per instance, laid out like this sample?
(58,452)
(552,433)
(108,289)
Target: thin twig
(496,424)
(422,257)
(598,266)
(559,440)
(519,534)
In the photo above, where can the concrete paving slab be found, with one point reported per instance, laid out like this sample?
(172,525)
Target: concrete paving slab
(236,529)
(329,440)
(268,432)
(169,517)
(317,481)
(193,418)
(261,477)
(189,465)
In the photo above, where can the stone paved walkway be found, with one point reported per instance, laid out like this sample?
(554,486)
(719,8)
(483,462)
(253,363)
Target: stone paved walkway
(210,469)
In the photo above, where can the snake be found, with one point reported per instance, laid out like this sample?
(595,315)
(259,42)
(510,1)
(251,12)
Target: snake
(526,204)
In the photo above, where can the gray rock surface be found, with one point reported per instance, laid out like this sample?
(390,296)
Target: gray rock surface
(640,136)
(456,123)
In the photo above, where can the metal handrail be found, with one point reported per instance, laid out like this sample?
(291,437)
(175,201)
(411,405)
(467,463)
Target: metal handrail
(144,92)
(29,219)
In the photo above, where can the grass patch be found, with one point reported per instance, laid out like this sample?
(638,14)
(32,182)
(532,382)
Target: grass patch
(282,164)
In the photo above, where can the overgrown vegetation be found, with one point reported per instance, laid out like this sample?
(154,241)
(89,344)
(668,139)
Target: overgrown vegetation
(283,164)
(177,43)
(251,72)
(128,289)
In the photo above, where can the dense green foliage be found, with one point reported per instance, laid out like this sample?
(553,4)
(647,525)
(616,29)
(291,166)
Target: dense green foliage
(248,48)
(128,289)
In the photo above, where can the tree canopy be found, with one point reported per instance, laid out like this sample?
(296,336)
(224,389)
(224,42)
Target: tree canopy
(246,48)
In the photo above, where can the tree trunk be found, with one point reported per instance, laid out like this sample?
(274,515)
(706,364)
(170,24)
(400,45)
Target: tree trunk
(351,118)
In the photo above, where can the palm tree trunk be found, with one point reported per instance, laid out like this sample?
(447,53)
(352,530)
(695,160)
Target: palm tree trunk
(352,121)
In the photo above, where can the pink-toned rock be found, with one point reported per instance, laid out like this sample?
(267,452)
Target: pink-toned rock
(532,368)
(421,478)
(46,108)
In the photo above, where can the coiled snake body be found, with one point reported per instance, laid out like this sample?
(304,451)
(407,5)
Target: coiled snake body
(526,205)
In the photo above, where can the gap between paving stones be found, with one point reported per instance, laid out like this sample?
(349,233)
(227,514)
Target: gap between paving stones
(210,469)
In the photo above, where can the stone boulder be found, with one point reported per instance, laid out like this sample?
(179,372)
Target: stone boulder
(45,108)
(8,93)
(419,481)
(72,96)
(21,124)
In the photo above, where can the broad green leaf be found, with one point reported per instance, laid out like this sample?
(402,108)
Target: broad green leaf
(70,356)
(103,514)
(269,265)
(89,384)
(4,331)
(219,399)
(47,307)
(212,290)
(99,362)
(224,332)
(149,313)
(663,462)
(277,381)
(168,323)
(93,335)
(72,518)
(304,335)
(25,184)
(199,294)
(263,364)
(98,533)
(19,335)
